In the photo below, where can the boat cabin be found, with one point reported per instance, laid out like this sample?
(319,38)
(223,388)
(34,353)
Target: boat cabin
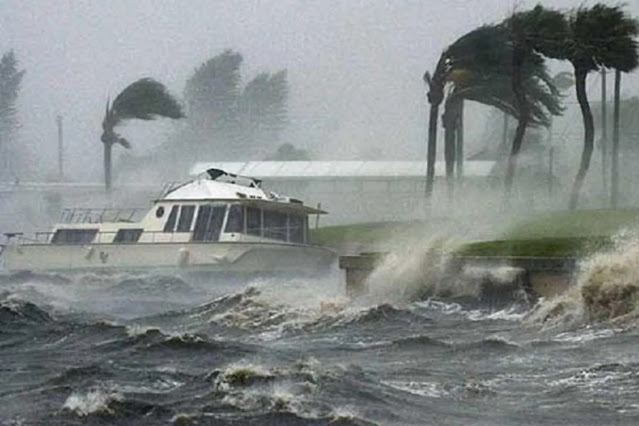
(217,207)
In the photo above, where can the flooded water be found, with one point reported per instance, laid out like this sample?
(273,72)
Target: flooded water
(123,349)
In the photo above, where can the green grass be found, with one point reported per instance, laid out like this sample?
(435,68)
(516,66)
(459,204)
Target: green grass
(573,224)
(565,233)
(537,247)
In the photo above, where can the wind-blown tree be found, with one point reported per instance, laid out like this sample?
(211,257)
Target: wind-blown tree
(211,97)
(532,35)
(145,99)
(231,122)
(600,36)
(10,80)
(472,48)
(479,68)
(262,110)
(494,89)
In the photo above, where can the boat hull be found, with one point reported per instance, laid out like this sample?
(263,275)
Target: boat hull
(205,257)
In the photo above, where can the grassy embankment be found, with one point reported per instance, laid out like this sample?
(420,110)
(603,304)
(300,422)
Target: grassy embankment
(567,233)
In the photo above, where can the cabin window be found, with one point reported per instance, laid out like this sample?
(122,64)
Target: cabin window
(296,228)
(186,218)
(169,226)
(253,221)
(235,219)
(208,223)
(74,236)
(127,236)
(275,225)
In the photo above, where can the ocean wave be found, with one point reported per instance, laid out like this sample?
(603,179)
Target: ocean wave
(253,387)
(74,375)
(427,270)
(418,342)
(606,289)
(421,388)
(492,343)
(153,339)
(151,286)
(93,401)
(16,312)
(111,406)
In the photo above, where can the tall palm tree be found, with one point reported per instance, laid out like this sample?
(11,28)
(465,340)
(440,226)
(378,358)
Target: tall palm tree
(495,90)
(480,71)
(435,95)
(532,34)
(474,47)
(600,36)
(144,99)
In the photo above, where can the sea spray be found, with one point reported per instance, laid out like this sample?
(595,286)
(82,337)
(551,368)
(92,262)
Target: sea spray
(94,401)
(409,272)
(606,288)
(417,270)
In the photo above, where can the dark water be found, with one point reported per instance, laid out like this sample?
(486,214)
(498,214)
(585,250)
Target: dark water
(160,350)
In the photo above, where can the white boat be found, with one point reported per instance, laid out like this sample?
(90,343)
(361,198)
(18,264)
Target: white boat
(217,222)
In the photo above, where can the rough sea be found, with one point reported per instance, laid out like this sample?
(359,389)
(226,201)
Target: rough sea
(417,349)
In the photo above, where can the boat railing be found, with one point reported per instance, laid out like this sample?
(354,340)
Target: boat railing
(108,237)
(97,215)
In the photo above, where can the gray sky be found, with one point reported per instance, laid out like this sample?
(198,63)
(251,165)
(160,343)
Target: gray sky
(354,66)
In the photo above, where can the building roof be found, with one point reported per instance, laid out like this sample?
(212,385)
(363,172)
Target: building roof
(337,169)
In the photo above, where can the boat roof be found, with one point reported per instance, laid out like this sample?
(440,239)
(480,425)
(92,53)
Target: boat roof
(227,187)
(206,189)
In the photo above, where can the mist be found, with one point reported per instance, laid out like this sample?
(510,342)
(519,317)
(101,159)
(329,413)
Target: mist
(354,71)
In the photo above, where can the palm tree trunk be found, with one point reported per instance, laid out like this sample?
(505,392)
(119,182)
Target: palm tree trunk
(435,97)
(604,134)
(107,165)
(522,105)
(512,158)
(459,155)
(449,155)
(432,148)
(589,134)
(614,178)
(449,119)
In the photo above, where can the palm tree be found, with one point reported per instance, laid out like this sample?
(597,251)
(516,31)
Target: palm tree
(601,36)
(144,99)
(480,64)
(531,34)
(436,84)
(475,47)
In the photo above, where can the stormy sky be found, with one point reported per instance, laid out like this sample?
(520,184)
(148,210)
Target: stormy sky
(354,67)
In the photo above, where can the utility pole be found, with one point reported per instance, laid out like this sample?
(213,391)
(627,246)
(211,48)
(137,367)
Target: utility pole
(58,120)
(604,132)
(614,178)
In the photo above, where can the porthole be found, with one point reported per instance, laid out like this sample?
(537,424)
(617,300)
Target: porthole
(159,212)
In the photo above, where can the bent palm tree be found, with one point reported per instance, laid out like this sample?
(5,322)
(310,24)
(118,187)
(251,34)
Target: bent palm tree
(476,46)
(144,99)
(480,66)
(602,36)
(531,34)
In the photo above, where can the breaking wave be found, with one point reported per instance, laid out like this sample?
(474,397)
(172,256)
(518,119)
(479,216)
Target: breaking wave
(15,312)
(93,401)
(418,271)
(606,289)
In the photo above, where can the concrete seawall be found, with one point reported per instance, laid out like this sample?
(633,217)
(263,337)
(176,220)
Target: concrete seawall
(541,276)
